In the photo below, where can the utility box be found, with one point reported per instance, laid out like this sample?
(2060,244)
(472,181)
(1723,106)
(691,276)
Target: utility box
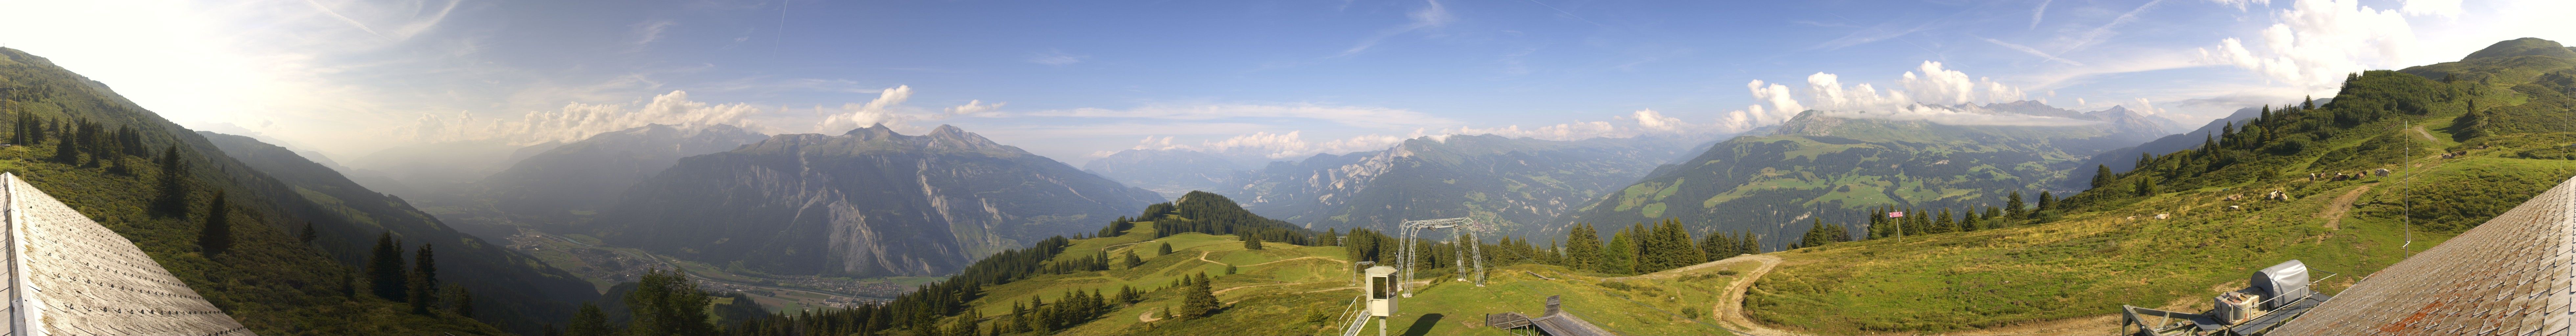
(1381,291)
(2282,284)
(2234,307)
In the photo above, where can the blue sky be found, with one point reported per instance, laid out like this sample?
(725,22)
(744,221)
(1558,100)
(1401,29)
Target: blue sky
(1280,79)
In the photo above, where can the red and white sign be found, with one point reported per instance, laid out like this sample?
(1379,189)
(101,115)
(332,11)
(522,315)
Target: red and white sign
(1896,214)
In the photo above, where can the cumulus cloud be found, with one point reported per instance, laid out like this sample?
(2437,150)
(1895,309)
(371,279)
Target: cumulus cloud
(1267,145)
(856,115)
(1921,94)
(1293,144)
(1356,116)
(576,121)
(2316,42)
(977,108)
(2442,8)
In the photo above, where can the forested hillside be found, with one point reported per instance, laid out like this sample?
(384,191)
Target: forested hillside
(282,257)
(1840,167)
(2459,142)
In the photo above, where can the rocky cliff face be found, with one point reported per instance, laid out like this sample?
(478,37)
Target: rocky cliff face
(866,203)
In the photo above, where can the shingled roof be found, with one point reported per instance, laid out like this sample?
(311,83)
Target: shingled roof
(66,275)
(2509,276)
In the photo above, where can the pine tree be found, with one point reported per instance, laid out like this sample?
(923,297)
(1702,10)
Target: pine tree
(217,236)
(1251,241)
(2101,175)
(1751,244)
(385,269)
(2013,206)
(589,322)
(1197,300)
(668,304)
(2146,186)
(1332,237)
(2046,202)
(2143,160)
(1132,260)
(1162,249)
(424,280)
(460,301)
(1583,248)
(174,186)
(1941,223)
(1620,255)
(308,235)
(1968,221)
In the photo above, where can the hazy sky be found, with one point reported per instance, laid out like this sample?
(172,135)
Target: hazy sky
(1073,79)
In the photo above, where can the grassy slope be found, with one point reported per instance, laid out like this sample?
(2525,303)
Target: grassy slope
(269,281)
(1275,290)
(2093,261)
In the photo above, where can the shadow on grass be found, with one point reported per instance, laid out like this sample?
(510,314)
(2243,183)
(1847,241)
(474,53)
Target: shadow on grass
(1422,326)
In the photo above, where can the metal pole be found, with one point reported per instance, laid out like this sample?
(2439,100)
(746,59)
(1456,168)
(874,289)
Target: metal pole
(1462,254)
(1480,257)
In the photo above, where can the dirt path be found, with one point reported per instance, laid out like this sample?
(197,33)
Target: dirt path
(2428,136)
(1147,316)
(1106,248)
(1292,259)
(1731,309)
(2334,212)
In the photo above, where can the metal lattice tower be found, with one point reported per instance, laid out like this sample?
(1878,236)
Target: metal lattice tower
(1474,251)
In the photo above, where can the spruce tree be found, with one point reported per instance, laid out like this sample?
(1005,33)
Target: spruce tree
(668,304)
(1332,237)
(1583,248)
(2013,207)
(1162,249)
(1251,241)
(217,236)
(1620,255)
(589,321)
(308,235)
(460,301)
(1132,260)
(1752,244)
(2046,202)
(174,186)
(1941,223)
(1197,301)
(385,269)
(2101,175)
(424,280)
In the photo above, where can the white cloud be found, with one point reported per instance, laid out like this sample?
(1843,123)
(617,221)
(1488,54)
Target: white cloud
(2442,8)
(878,111)
(1656,121)
(576,121)
(1056,57)
(649,31)
(1929,83)
(2316,42)
(1356,116)
(2242,5)
(977,108)
(1432,15)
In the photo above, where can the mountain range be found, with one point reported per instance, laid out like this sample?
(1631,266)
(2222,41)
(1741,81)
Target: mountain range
(1834,165)
(865,203)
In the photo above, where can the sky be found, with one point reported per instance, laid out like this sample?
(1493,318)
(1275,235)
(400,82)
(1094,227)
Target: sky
(1075,80)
